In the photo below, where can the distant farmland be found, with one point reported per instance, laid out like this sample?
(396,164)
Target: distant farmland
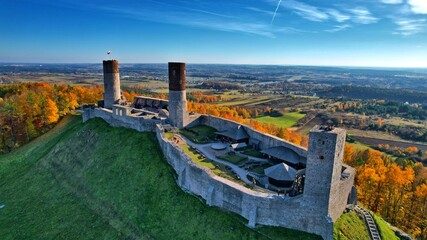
(375,141)
(288,120)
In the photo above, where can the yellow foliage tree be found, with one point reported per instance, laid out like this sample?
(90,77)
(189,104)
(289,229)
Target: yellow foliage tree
(51,114)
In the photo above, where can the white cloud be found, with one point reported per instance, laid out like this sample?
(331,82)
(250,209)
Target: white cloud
(408,27)
(339,28)
(339,17)
(250,28)
(358,15)
(260,10)
(306,11)
(363,16)
(418,6)
(392,1)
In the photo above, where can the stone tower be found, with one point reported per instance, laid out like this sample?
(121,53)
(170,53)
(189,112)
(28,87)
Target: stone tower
(323,186)
(111,83)
(178,115)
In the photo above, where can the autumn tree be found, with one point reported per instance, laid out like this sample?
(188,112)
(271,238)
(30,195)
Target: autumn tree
(50,111)
(379,122)
(27,110)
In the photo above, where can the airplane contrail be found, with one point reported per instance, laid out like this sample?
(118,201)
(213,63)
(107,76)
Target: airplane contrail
(275,12)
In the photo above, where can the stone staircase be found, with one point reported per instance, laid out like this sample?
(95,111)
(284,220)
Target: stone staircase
(370,223)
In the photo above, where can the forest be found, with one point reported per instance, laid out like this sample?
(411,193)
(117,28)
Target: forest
(358,92)
(380,110)
(396,191)
(29,110)
(219,86)
(387,108)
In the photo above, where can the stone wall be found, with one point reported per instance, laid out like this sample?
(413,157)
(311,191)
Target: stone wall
(266,140)
(142,101)
(119,117)
(256,207)
(178,114)
(339,195)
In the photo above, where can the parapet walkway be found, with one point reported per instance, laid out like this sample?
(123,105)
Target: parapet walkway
(240,172)
(373,231)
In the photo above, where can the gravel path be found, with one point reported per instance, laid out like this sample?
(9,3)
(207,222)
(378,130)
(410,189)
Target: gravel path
(205,149)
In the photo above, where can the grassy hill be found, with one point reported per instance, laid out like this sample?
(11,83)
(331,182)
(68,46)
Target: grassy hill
(350,226)
(92,181)
(286,121)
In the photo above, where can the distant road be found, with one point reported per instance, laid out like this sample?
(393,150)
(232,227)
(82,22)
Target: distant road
(376,141)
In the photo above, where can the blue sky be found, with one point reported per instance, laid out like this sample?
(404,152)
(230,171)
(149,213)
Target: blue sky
(386,33)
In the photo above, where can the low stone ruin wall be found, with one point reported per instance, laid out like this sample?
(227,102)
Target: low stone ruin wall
(118,117)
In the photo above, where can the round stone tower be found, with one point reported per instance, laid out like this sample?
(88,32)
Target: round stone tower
(178,115)
(111,83)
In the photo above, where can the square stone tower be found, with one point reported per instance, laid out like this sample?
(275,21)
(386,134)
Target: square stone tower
(178,114)
(323,187)
(111,83)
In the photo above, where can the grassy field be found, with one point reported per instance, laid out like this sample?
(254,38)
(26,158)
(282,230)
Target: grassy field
(374,142)
(384,228)
(288,120)
(199,134)
(254,153)
(234,98)
(375,134)
(305,130)
(245,101)
(92,181)
(260,169)
(358,146)
(405,122)
(201,162)
(351,226)
(233,158)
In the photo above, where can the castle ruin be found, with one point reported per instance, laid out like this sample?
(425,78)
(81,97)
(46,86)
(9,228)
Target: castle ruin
(327,183)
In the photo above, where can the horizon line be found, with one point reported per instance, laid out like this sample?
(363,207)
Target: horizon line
(236,64)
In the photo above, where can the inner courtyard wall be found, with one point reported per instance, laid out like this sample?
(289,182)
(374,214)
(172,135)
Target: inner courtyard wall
(257,207)
(266,140)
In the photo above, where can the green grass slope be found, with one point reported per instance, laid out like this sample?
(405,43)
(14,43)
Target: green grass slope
(384,228)
(92,181)
(350,226)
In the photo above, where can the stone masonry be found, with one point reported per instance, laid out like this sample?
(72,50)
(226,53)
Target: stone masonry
(178,114)
(111,83)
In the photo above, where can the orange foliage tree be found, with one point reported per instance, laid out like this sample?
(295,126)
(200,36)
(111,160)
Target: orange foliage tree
(242,115)
(27,110)
(397,193)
